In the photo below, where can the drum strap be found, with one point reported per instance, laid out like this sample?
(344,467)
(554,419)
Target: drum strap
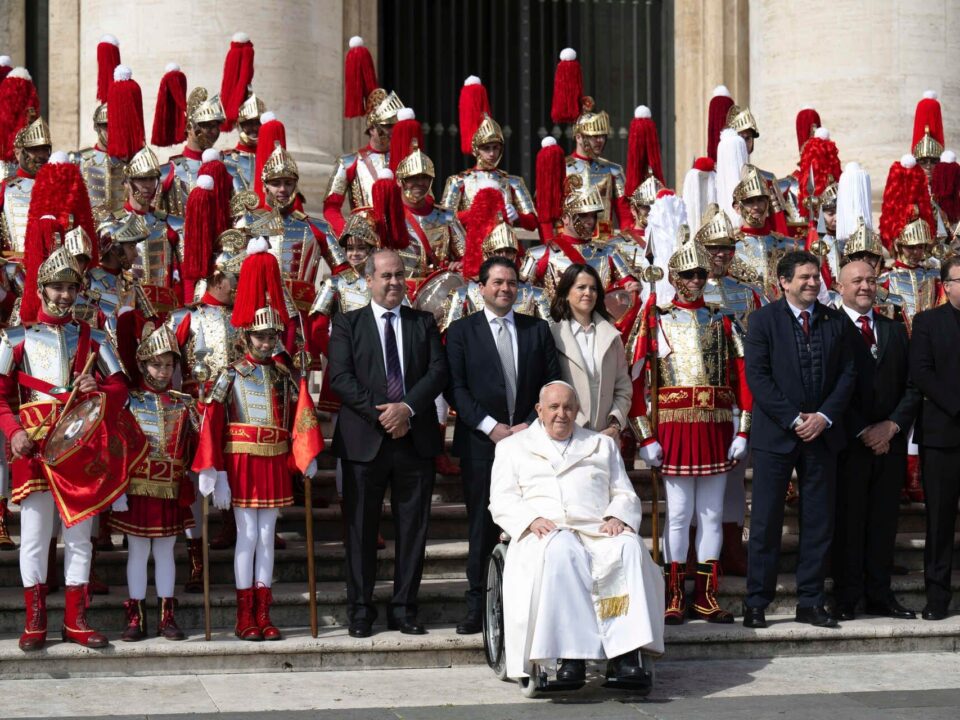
(41,386)
(84,344)
(422,236)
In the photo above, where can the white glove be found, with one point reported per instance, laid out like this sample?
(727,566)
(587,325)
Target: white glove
(311,469)
(208,478)
(738,448)
(120,504)
(512,213)
(221,492)
(176,276)
(652,454)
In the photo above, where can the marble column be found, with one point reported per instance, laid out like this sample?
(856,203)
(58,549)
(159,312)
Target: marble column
(13,38)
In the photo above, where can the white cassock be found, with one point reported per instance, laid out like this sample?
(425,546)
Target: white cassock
(577,593)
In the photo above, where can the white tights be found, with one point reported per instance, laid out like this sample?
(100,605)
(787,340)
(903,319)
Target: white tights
(164,569)
(38,519)
(253,558)
(687,496)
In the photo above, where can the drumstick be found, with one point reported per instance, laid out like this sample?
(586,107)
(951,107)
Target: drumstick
(73,393)
(35,432)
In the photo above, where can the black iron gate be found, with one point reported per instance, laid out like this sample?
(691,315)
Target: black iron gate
(428,48)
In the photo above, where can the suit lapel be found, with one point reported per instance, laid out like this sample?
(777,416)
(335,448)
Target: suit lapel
(523,342)
(569,344)
(790,340)
(369,329)
(882,331)
(485,337)
(408,318)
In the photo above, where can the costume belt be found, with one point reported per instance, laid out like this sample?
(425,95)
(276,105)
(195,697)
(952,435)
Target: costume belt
(157,478)
(698,403)
(259,440)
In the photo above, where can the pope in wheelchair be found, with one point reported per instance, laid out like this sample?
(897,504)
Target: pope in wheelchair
(577,582)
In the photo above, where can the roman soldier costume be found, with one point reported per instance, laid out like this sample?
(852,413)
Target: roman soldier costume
(722,291)
(102,172)
(16,191)
(242,160)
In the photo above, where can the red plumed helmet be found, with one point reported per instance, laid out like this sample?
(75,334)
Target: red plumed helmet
(704,164)
(551,171)
(237,76)
(44,234)
(473,104)
(406,130)
(808,120)
(720,104)
(388,212)
(108,57)
(272,131)
(905,198)
(170,115)
(928,116)
(487,210)
(643,150)
(567,88)
(125,135)
(222,186)
(820,155)
(19,104)
(59,190)
(259,285)
(200,230)
(945,185)
(359,78)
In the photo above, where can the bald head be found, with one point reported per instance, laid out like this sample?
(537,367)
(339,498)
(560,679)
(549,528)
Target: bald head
(858,285)
(557,409)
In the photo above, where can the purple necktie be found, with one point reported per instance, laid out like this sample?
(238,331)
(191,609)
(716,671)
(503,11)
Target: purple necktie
(394,375)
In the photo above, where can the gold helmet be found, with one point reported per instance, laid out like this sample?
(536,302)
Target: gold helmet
(60,266)
(34,134)
(201,107)
(927,148)
(142,165)
(251,108)
(578,200)
(280,164)
(715,228)
(233,251)
(646,192)
(863,240)
(416,163)
(157,341)
(100,114)
(502,237)
(361,226)
(266,318)
(742,120)
(828,198)
(915,233)
(489,131)
(383,108)
(591,122)
(690,254)
(78,243)
(751,185)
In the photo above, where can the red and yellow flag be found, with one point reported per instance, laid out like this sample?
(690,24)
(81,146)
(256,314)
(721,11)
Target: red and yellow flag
(307,437)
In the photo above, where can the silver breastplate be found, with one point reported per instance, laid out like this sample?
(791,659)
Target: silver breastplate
(606,176)
(48,354)
(698,351)
(732,297)
(242,166)
(260,395)
(186,170)
(164,420)
(917,288)
(103,176)
(761,254)
(155,255)
(212,330)
(16,205)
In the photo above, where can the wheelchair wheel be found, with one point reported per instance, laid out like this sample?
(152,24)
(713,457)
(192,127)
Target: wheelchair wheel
(531,687)
(493,641)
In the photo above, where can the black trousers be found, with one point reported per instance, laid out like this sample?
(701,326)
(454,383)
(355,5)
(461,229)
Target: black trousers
(410,479)
(482,533)
(868,505)
(816,471)
(941,486)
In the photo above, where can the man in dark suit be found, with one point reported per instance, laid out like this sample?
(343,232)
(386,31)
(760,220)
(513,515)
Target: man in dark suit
(387,365)
(800,370)
(499,360)
(935,369)
(872,466)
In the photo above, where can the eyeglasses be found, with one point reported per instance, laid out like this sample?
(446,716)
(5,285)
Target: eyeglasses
(691,274)
(950,280)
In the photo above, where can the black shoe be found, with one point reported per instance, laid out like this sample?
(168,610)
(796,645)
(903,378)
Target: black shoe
(408,626)
(626,667)
(361,628)
(470,625)
(934,612)
(816,616)
(754,617)
(572,671)
(891,608)
(845,612)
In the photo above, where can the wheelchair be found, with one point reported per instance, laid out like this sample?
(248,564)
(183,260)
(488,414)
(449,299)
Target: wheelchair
(539,683)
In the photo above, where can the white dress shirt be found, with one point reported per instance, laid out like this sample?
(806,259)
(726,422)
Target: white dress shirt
(586,338)
(378,311)
(855,315)
(489,423)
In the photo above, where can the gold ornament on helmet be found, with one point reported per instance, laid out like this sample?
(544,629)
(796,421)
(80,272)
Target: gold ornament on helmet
(828,198)
(233,251)
(100,114)
(35,133)
(578,200)
(489,131)
(915,233)
(157,341)
(203,108)
(863,240)
(361,226)
(715,228)
(741,120)
(142,165)
(78,243)
(251,108)
(266,318)
(751,185)
(280,164)
(690,254)
(60,266)
(927,148)
(415,163)
(502,237)
(384,107)
(646,192)
(591,122)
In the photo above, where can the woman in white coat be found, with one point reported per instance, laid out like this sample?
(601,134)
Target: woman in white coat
(592,358)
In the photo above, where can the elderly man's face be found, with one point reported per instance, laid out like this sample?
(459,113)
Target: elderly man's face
(557,411)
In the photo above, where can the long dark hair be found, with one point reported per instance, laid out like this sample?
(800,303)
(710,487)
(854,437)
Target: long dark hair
(560,307)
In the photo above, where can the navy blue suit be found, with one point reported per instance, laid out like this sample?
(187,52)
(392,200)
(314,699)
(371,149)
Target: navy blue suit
(778,363)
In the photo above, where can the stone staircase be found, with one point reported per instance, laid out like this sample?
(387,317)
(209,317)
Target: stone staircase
(441,605)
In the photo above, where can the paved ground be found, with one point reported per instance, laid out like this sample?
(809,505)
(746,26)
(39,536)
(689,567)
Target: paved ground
(838,687)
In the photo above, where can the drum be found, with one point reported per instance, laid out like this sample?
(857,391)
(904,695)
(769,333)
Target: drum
(433,292)
(72,434)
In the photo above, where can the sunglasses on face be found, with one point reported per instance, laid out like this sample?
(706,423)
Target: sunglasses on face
(691,274)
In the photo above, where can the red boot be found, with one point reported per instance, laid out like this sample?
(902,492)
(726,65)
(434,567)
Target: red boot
(264,599)
(228,532)
(914,489)
(705,605)
(733,555)
(53,575)
(75,628)
(35,629)
(442,463)
(246,628)
(6,542)
(136,629)
(167,625)
(195,554)
(676,596)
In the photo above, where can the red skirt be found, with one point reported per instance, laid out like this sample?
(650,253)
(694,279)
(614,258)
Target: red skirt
(259,482)
(152,517)
(693,449)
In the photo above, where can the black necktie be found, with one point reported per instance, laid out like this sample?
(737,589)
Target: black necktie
(394,375)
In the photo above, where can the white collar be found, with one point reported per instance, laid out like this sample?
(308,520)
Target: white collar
(576,328)
(796,311)
(492,317)
(855,315)
(379,310)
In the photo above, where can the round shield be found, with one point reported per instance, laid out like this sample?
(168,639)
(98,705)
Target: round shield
(434,291)
(74,430)
(618,303)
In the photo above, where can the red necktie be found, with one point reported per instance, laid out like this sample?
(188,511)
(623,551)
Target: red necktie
(867,331)
(805,322)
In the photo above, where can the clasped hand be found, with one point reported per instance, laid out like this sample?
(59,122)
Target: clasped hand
(811,426)
(395,418)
